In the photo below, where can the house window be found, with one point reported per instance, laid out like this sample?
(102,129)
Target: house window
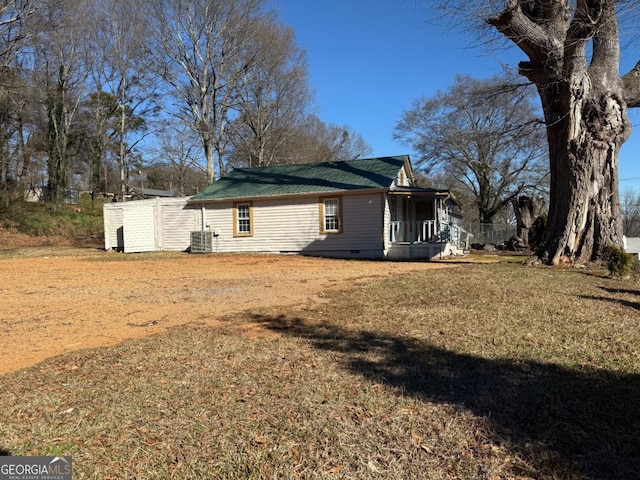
(331,215)
(243,219)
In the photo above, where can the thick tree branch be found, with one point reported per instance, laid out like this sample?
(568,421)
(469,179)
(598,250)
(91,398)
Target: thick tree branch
(631,87)
(523,31)
(538,27)
(586,20)
(605,61)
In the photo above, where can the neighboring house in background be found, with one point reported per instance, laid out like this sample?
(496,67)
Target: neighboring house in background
(38,194)
(365,208)
(35,194)
(137,193)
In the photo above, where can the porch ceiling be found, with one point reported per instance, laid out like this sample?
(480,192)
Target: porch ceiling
(425,193)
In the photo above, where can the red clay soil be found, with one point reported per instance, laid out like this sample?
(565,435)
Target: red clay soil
(56,299)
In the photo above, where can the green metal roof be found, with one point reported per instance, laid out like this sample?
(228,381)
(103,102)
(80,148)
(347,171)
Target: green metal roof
(323,177)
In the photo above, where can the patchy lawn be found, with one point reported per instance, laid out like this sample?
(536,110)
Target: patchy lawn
(491,371)
(57,300)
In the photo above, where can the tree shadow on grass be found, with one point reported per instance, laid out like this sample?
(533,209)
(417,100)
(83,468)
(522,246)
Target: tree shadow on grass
(586,422)
(621,290)
(619,301)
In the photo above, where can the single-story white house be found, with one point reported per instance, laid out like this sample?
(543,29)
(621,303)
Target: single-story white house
(365,208)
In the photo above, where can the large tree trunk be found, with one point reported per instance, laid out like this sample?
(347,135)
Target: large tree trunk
(584,213)
(585,105)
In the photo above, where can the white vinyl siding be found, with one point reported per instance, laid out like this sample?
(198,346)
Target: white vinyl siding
(403,179)
(177,221)
(278,225)
(291,225)
(139,228)
(150,225)
(361,226)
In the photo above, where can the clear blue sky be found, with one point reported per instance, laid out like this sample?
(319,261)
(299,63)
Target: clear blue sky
(370,59)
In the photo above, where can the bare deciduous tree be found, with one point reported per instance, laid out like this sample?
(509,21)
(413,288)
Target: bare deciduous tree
(14,17)
(527,209)
(123,70)
(92,74)
(631,213)
(124,88)
(274,95)
(199,49)
(315,141)
(61,57)
(179,151)
(485,136)
(573,58)
(584,101)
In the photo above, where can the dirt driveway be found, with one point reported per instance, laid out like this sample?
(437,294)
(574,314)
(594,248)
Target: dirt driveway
(54,301)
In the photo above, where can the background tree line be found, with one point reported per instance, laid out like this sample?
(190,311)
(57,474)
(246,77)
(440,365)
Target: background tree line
(103,95)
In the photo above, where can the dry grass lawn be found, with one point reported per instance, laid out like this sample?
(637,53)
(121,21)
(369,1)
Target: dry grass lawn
(65,299)
(482,371)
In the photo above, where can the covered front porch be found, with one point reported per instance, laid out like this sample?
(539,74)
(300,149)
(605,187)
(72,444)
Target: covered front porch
(425,223)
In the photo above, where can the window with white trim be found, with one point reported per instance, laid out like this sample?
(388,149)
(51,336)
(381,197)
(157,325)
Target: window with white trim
(331,215)
(243,225)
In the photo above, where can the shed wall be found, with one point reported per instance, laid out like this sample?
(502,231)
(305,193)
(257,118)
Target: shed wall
(149,225)
(139,227)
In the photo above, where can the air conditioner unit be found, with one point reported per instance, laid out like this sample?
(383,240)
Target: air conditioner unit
(202,241)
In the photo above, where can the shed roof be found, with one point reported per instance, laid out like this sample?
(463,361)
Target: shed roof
(361,174)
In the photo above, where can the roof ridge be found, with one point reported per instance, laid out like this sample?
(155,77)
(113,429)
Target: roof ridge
(326,162)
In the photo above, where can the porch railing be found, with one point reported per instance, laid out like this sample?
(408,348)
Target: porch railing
(428,231)
(414,232)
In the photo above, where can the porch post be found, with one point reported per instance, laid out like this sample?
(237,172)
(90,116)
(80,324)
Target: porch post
(436,215)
